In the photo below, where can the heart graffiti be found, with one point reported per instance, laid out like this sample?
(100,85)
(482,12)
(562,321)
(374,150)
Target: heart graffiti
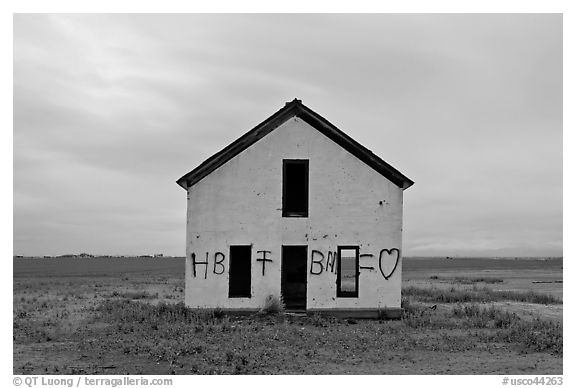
(390,252)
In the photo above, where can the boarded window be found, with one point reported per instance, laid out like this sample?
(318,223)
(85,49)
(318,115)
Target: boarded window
(295,188)
(348,271)
(240,272)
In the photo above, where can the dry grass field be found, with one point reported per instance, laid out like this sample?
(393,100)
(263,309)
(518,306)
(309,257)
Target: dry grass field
(125,316)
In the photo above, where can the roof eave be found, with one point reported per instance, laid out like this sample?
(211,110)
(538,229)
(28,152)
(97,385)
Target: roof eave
(406,184)
(294,108)
(235,147)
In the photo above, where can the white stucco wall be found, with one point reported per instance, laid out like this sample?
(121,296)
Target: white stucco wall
(241,204)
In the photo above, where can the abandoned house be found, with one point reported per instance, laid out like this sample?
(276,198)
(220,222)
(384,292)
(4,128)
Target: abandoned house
(297,209)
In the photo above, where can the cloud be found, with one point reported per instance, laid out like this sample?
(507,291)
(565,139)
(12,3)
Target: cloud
(109,110)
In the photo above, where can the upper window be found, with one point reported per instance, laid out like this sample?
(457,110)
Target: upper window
(295,188)
(348,271)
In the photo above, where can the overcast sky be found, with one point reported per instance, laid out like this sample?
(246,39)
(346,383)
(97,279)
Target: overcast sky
(109,110)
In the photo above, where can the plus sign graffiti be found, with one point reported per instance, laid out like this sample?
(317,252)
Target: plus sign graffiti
(264,260)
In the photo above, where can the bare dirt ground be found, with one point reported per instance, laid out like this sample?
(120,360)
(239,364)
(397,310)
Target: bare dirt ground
(89,316)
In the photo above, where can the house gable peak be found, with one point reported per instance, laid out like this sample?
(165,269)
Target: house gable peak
(291,109)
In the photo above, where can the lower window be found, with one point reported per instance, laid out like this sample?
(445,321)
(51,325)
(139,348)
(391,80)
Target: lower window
(348,271)
(240,272)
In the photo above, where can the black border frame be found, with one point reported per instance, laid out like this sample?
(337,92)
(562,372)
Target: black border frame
(339,292)
(305,162)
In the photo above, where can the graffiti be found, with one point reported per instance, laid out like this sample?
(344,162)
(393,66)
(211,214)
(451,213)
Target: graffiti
(389,252)
(388,260)
(195,263)
(367,255)
(219,262)
(318,266)
(330,261)
(319,262)
(264,260)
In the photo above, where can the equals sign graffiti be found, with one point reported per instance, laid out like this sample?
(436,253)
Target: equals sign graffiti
(366,267)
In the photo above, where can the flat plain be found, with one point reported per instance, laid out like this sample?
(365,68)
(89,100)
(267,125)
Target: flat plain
(126,316)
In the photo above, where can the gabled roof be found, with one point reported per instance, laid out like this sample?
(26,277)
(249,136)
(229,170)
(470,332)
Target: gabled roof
(291,109)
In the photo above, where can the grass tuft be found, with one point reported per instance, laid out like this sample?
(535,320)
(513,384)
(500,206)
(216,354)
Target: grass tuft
(127,311)
(133,295)
(483,295)
(468,280)
(272,305)
(489,324)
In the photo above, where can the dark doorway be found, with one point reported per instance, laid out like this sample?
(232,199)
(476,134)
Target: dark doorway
(294,265)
